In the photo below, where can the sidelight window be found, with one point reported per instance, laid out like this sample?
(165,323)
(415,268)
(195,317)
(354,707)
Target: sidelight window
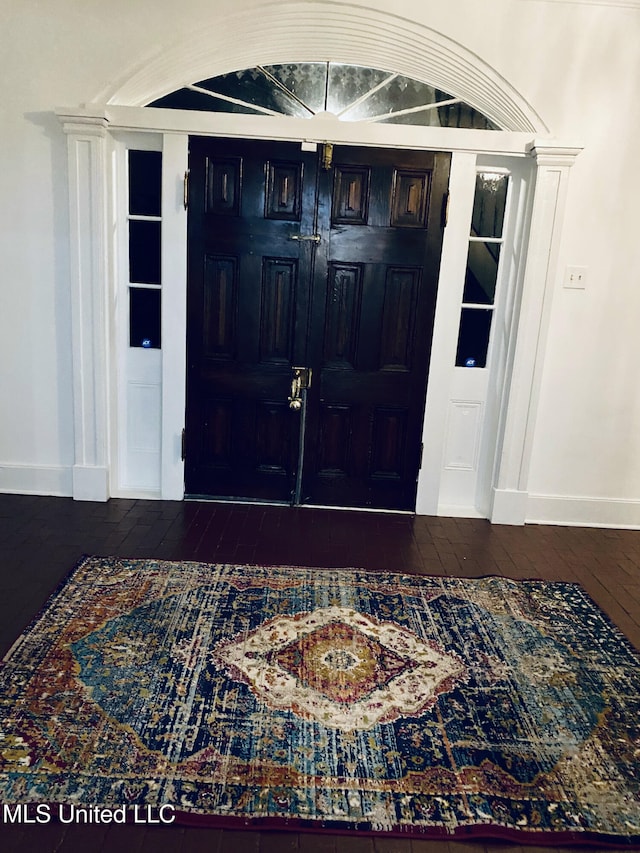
(483,264)
(144,230)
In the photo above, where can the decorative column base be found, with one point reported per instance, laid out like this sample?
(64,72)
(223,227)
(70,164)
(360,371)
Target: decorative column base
(90,483)
(509,506)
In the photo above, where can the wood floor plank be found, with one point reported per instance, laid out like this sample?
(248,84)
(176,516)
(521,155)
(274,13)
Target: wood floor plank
(392,845)
(162,839)
(239,841)
(321,842)
(279,842)
(355,844)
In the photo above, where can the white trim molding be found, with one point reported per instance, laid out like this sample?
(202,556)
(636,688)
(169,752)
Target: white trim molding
(509,506)
(583,512)
(87,141)
(36,480)
(174,313)
(529,336)
(320,128)
(313,31)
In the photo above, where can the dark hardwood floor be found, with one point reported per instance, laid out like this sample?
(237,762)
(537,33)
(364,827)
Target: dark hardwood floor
(41,538)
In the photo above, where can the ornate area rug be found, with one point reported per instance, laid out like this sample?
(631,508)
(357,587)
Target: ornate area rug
(324,699)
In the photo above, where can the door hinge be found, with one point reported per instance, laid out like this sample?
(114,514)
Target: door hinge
(420,459)
(185,190)
(183,445)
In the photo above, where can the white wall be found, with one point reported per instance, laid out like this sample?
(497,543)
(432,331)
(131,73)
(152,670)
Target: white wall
(589,420)
(576,64)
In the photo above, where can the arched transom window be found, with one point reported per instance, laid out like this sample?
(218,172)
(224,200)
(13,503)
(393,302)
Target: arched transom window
(307,89)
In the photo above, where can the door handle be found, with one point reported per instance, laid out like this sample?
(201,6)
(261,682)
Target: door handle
(300,382)
(306,238)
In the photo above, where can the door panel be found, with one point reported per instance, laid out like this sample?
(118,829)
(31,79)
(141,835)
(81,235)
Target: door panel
(246,310)
(372,319)
(355,303)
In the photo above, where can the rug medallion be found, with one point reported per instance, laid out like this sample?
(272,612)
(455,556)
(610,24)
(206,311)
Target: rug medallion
(327,699)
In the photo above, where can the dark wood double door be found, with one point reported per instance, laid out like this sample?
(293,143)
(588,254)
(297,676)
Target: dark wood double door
(326,260)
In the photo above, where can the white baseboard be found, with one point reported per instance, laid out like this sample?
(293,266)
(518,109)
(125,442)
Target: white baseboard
(36,480)
(509,506)
(90,483)
(139,494)
(455,511)
(84,483)
(583,512)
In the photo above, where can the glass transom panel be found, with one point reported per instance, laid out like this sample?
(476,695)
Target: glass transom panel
(305,89)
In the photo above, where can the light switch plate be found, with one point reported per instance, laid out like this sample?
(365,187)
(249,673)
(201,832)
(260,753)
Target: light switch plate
(575,278)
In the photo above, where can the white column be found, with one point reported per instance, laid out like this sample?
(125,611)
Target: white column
(87,148)
(529,333)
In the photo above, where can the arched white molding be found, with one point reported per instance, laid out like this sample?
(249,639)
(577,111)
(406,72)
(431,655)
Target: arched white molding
(322,32)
